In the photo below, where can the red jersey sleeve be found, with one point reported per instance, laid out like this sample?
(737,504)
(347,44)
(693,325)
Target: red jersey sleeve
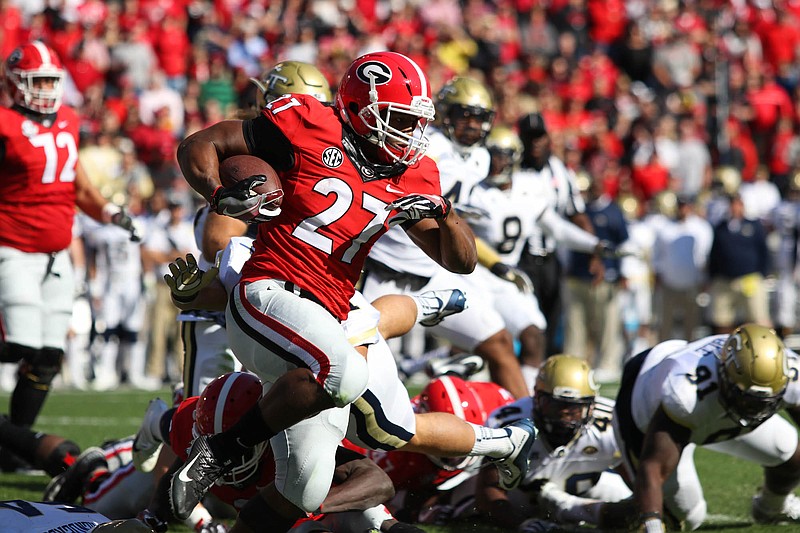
(180,431)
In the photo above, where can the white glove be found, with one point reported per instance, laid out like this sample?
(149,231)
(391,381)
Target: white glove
(242,202)
(417,207)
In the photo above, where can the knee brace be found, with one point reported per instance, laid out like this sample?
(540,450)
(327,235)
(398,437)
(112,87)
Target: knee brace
(12,352)
(41,367)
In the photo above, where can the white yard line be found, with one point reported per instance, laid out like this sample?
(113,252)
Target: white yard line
(88,421)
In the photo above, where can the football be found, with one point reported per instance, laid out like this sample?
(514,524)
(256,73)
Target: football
(234,169)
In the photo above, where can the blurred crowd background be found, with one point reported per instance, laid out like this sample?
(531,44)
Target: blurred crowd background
(697,97)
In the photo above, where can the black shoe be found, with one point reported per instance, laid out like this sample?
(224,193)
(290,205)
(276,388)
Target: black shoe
(196,476)
(68,486)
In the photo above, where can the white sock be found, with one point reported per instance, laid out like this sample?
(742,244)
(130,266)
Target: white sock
(425,310)
(495,443)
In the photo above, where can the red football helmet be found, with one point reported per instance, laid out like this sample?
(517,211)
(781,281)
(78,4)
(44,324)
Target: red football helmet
(26,72)
(470,401)
(221,404)
(381,91)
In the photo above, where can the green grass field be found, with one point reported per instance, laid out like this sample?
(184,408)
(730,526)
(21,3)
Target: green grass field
(89,418)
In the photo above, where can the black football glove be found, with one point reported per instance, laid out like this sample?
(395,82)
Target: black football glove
(514,275)
(240,201)
(124,221)
(418,206)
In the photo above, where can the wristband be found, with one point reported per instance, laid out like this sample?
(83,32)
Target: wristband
(213,199)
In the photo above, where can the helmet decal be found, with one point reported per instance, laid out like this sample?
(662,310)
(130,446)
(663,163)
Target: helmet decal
(374,71)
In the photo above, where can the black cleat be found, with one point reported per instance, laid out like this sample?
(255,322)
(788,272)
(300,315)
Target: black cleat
(68,486)
(189,484)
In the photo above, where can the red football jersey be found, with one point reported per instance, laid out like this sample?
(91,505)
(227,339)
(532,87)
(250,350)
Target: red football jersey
(37,181)
(180,438)
(330,217)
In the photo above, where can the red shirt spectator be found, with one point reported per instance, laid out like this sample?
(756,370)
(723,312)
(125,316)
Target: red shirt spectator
(10,28)
(172,47)
(649,179)
(607,19)
(769,102)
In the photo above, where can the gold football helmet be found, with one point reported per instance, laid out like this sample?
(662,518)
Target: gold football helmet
(294,77)
(460,100)
(753,374)
(629,205)
(505,147)
(666,203)
(728,179)
(563,398)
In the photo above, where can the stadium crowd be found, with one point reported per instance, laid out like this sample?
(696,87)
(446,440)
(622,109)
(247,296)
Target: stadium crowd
(666,131)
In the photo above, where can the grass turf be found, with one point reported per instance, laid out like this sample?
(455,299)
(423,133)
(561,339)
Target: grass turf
(89,418)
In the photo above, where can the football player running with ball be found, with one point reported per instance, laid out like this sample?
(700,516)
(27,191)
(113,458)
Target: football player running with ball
(41,183)
(348,173)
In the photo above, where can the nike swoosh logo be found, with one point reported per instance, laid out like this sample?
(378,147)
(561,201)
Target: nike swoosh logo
(235,214)
(393,190)
(182,474)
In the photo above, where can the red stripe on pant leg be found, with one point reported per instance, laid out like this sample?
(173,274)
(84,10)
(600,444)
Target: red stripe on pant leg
(116,478)
(289,334)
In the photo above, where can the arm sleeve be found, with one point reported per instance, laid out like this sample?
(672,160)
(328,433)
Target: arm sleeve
(265,140)
(567,233)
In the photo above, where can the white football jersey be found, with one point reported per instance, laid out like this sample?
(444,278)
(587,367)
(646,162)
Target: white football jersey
(683,379)
(510,217)
(557,184)
(20,516)
(117,258)
(459,171)
(576,467)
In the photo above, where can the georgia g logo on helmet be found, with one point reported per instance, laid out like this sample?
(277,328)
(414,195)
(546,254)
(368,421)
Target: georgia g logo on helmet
(374,70)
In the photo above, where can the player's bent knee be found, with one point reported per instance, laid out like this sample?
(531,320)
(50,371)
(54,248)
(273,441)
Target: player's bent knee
(350,380)
(43,366)
(11,352)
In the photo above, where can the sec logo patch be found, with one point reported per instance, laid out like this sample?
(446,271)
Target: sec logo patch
(332,157)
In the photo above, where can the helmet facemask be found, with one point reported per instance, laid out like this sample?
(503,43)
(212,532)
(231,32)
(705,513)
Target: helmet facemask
(748,408)
(31,95)
(460,124)
(406,145)
(560,419)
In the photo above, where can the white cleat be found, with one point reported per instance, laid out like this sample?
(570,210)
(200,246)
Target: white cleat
(789,514)
(145,445)
(437,305)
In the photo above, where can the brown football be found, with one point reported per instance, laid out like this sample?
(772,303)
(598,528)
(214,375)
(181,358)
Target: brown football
(234,169)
